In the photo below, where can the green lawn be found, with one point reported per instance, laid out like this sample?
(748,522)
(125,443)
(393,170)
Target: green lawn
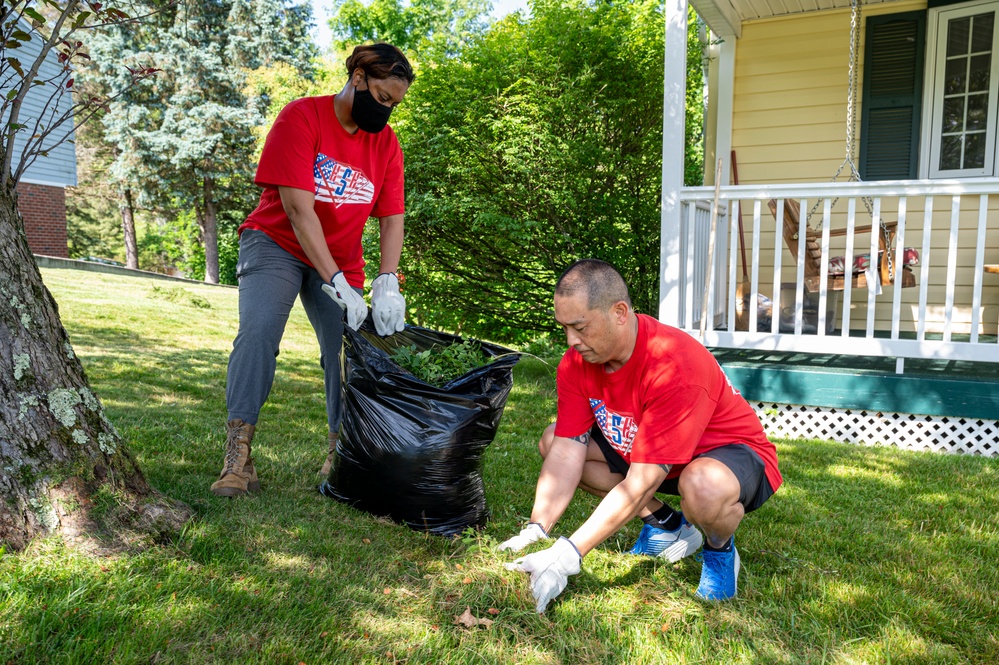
(866,555)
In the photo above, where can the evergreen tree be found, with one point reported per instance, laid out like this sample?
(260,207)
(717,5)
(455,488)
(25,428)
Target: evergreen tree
(188,143)
(116,51)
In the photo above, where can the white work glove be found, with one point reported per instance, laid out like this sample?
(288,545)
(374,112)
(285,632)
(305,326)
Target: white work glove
(388,307)
(549,570)
(340,291)
(531,533)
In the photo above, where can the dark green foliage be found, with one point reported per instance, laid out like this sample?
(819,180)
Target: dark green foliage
(537,145)
(438,365)
(412,26)
(693,166)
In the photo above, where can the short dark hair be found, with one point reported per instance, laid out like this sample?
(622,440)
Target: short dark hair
(599,280)
(380,61)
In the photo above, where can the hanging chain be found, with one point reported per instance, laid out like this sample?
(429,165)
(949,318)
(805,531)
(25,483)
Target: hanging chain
(888,255)
(851,105)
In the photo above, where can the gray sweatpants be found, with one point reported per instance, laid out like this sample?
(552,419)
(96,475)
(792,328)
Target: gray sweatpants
(269,279)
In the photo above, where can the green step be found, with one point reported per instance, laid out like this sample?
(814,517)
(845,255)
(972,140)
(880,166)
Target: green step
(934,388)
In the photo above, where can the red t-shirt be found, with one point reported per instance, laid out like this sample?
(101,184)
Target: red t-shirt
(354,177)
(669,403)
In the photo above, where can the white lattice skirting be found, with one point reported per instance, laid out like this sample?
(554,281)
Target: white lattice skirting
(968,436)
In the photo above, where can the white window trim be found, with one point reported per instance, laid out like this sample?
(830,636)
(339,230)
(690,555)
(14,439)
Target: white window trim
(929,151)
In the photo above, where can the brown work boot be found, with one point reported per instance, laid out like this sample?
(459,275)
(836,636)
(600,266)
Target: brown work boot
(328,464)
(238,476)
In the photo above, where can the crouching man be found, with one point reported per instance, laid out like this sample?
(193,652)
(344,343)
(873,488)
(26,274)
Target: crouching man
(643,408)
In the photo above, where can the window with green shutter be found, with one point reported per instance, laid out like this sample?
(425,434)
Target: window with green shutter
(961,118)
(892,96)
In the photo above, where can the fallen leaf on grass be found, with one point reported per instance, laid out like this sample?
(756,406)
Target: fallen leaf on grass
(493,611)
(468,620)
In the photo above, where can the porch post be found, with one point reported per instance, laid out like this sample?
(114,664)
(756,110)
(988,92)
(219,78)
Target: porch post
(723,108)
(674,100)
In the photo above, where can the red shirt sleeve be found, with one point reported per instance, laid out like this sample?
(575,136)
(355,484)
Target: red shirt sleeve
(290,149)
(574,413)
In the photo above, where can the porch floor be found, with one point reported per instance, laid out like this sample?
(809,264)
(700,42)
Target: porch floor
(927,387)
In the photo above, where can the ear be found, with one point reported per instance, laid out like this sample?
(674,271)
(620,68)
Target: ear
(357,78)
(619,312)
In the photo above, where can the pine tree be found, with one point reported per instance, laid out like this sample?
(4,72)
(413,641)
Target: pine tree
(188,142)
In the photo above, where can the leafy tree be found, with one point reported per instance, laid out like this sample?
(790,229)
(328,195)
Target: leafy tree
(275,85)
(412,26)
(59,448)
(693,172)
(535,146)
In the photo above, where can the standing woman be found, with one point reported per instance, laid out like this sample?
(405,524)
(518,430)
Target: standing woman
(329,163)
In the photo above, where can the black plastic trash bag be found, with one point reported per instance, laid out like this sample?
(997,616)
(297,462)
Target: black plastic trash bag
(410,450)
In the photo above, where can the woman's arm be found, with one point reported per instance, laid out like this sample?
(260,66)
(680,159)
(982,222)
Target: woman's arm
(299,205)
(391,232)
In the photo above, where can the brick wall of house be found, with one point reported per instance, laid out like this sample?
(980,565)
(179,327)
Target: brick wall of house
(43,208)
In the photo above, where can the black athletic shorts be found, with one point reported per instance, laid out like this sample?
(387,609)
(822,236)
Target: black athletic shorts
(747,466)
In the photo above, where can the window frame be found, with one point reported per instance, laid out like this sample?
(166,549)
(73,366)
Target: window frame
(932,103)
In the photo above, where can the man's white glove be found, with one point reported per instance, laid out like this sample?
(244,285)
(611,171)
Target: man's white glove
(549,570)
(340,291)
(531,533)
(388,307)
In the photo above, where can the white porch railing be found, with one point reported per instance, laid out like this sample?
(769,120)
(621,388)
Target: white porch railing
(696,227)
(952,311)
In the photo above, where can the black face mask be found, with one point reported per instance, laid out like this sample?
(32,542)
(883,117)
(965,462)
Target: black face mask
(369,115)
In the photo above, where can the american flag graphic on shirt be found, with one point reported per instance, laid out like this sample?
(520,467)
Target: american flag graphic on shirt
(620,430)
(338,183)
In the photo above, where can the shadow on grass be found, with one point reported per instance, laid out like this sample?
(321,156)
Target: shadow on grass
(865,555)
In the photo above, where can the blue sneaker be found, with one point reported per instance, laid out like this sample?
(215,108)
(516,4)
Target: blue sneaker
(719,574)
(669,545)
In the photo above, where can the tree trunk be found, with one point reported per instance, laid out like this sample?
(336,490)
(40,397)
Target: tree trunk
(57,447)
(128,226)
(210,233)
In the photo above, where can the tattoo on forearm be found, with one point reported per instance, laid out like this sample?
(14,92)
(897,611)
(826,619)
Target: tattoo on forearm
(666,467)
(583,438)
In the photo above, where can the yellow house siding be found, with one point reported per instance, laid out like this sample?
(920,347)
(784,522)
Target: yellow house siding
(789,91)
(789,126)
(791,80)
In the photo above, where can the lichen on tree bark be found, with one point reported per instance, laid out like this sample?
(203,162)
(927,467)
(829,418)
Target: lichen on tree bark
(57,446)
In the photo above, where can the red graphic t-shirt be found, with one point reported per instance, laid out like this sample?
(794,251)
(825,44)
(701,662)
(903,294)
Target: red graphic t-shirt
(669,403)
(354,177)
